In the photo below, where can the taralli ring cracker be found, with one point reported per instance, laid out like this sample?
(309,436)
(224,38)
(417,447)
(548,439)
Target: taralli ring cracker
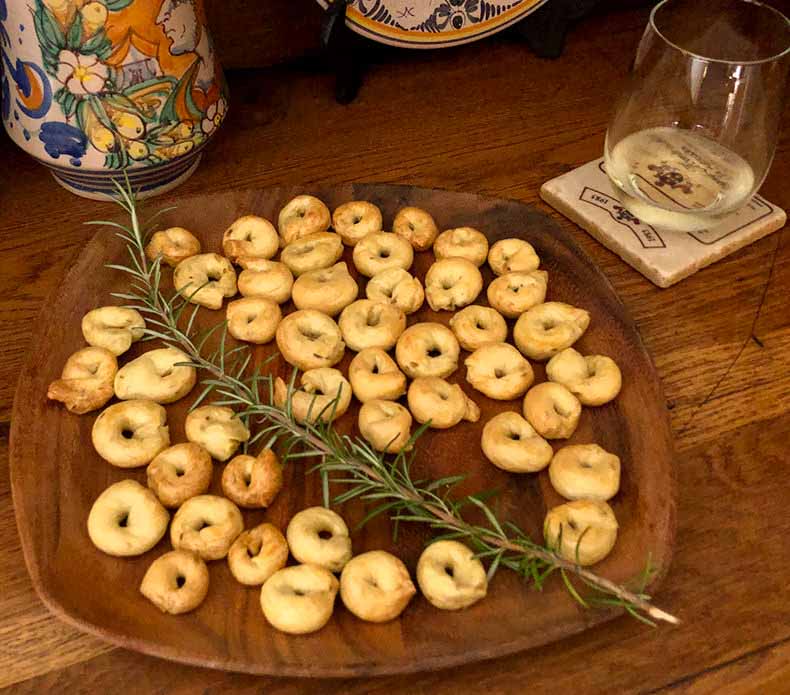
(217,429)
(173,245)
(299,599)
(427,349)
(499,371)
(463,242)
(127,519)
(324,395)
(396,286)
(328,290)
(374,375)
(180,472)
(308,339)
(113,328)
(301,216)
(381,251)
(474,326)
(86,382)
(513,293)
(512,444)
(252,482)
(257,554)
(250,236)
(582,531)
(205,279)
(176,582)
(545,329)
(130,433)
(444,405)
(319,536)
(552,410)
(253,319)
(385,425)
(594,379)
(159,375)
(355,219)
(312,252)
(367,324)
(268,279)
(416,226)
(452,283)
(511,256)
(450,576)
(585,471)
(206,525)
(376,586)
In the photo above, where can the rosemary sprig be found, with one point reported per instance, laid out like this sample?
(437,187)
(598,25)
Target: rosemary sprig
(385,484)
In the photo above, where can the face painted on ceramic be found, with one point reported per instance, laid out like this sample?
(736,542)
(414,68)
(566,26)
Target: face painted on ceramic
(178,20)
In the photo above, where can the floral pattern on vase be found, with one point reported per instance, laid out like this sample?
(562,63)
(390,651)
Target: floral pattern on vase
(132,84)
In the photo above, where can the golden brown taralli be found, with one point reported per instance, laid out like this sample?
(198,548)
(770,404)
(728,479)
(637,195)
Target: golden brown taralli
(300,599)
(301,216)
(376,586)
(552,410)
(86,382)
(253,319)
(113,328)
(355,219)
(130,433)
(308,339)
(257,554)
(205,279)
(374,375)
(328,290)
(127,520)
(173,244)
(217,429)
(180,472)
(427,349)
(416,226)
(262,278)
(176,582)
(206,525)
(250,236)
(474,326)
(368,324)
(252,482)
(318,536)
(440,403)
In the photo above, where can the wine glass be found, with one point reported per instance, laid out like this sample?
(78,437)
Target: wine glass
(694,134)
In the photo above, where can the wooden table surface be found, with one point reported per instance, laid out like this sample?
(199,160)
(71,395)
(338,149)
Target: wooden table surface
(493,119)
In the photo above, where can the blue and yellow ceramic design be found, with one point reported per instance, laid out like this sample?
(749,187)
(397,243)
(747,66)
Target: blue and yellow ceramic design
(433,23)
(93,87)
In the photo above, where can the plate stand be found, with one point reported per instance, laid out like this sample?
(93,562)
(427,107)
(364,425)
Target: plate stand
(349,54)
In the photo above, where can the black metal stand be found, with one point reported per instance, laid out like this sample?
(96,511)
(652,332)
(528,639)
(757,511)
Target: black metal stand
(346,51)
(544,30)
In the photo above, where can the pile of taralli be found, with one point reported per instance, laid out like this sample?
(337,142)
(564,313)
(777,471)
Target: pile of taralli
(395,361)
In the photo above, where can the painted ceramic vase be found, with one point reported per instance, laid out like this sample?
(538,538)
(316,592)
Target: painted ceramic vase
(92,88)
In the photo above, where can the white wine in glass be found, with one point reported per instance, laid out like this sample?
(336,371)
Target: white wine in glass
(694,134)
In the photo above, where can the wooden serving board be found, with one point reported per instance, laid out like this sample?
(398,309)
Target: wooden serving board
(56,475)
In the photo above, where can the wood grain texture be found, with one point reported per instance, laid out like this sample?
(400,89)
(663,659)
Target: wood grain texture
(487,118)
(56,475)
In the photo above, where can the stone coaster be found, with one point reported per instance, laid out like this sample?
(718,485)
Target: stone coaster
(586,196)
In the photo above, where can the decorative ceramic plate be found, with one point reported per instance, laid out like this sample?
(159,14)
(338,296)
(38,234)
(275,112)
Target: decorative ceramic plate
(433,23)
(56,474)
